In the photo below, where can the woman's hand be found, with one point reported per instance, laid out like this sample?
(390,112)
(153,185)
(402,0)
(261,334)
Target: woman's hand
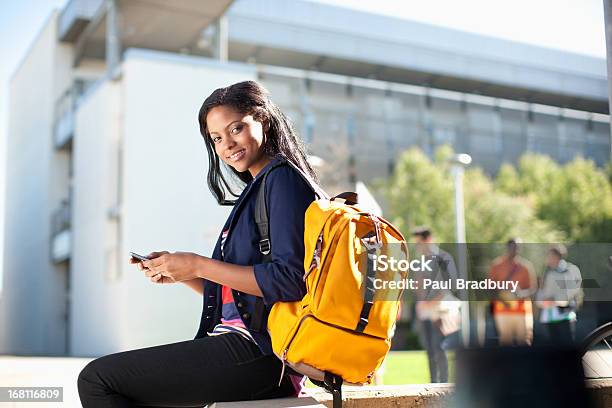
(159,278)
(173,267)
(193,269)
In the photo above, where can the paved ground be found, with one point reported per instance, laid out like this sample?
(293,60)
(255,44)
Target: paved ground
(63,372)
(42,372)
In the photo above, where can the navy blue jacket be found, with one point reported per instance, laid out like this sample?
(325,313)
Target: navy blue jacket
(287,197)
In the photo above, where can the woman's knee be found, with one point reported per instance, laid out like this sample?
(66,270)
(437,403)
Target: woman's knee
(93,373)
(95,381)
(88,383)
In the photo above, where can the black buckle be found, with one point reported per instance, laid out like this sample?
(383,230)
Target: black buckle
(264,246)
(333,384)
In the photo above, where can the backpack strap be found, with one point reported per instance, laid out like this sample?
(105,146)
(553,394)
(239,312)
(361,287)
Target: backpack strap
(331,383)
(368,301)
(263,227)
(372,248)
(510,274)
(265,247)
(261,217)
(348,198)
(313,184)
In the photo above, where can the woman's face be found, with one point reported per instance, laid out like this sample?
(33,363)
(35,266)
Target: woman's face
(237,139)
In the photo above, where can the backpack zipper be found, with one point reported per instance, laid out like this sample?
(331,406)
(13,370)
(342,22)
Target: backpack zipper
(286,349)
(283,359)
(328,249)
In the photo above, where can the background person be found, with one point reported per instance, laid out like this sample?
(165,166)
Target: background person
(437,310)
(513,312)
(231,357)
(558,297)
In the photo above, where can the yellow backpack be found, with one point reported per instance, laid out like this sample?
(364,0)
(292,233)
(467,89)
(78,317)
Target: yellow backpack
(341,330)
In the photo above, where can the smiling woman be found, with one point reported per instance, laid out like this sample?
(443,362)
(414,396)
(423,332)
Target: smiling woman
(239,117)
(239,142)
(231,356)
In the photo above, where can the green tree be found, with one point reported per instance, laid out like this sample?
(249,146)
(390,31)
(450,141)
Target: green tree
(579,201)
(608,170)
(537,172)
(421,191)
(576,198)
(494,216)
(507,180)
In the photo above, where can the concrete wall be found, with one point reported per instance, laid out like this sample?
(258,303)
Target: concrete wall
(94,297)
(33,297)
(138,144)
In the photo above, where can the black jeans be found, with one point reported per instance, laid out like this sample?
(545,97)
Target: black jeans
(187,374)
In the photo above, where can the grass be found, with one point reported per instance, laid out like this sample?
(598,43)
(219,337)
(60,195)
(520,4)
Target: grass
(411,367)
(408,367)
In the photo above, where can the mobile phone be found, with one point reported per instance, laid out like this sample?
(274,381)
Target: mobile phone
(139,257)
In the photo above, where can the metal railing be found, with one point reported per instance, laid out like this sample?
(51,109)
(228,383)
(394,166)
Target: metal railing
(61,218)
(61,234)
(63,130)
(65,106)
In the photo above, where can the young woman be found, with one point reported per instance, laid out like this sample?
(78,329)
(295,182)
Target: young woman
(231,356)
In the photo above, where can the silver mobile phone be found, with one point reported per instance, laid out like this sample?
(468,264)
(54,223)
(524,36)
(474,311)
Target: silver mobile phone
(139,257)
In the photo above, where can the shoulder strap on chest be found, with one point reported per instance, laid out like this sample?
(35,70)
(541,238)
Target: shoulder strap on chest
(262,221)
(261,216)
(261,207)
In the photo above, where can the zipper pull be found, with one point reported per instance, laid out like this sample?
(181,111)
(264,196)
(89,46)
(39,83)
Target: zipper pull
(283,359)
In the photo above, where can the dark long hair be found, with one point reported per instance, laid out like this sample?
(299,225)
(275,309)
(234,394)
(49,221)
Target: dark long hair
(281,139)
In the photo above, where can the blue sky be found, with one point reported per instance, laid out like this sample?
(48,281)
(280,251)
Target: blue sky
(571,25)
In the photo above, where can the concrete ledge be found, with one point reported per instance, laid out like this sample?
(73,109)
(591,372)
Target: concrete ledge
(600,392)
(383,396)
(416,395)
(306,402)
(393,396)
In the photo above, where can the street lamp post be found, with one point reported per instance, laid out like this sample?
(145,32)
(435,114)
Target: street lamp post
(458,164)
(608,26)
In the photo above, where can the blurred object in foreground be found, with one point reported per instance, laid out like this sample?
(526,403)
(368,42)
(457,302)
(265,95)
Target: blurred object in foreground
(520,377)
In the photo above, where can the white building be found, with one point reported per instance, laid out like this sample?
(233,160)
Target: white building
(104,154)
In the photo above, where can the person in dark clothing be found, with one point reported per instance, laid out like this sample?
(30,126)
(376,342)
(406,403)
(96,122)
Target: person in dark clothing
(437,311)
(231,356)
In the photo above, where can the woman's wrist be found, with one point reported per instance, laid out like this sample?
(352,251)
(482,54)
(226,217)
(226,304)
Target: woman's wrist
(202,264)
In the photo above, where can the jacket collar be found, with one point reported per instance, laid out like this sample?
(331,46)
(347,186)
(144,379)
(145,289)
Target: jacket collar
(248,189)
(276,159)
